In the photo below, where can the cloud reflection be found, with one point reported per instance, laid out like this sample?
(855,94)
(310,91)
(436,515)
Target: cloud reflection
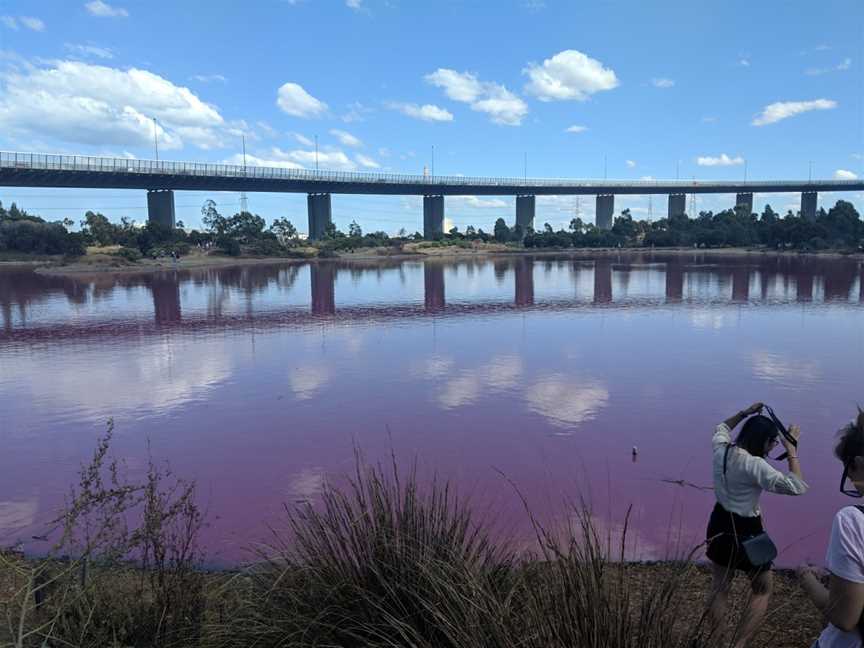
(501,372)
(17,514)
(306,381)
(777,369)
(564,402)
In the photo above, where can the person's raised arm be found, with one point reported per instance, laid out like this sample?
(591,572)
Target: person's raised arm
(792,451)
(733,421)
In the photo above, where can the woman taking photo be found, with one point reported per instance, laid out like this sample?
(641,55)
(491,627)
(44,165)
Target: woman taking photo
(741,473)
(842,603)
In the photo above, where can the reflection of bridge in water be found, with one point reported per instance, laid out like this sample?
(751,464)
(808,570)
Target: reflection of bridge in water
(686,279)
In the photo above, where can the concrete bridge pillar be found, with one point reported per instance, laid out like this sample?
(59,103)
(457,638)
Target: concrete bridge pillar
(323,280)
(744,202)
(523,274)
(808,205)
(433,216)
(166,299)
(677,205)
(160,207)
(525,207)
(433,285)
(320,214)
(741,285)
(605,210)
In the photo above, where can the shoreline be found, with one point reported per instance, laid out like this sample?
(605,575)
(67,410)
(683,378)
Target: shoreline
(112,265)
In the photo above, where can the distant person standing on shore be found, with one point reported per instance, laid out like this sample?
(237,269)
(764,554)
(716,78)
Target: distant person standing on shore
(741,473)
(842,602)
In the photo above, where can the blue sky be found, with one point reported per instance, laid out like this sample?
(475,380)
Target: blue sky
(629,89)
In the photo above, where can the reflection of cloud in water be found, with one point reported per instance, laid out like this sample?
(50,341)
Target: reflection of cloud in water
(17,514)
(149,378)
(707,319)
(462,390)
(566,403)
(774,368)
(434,366)
(306,484)
(306,381)
(501,372)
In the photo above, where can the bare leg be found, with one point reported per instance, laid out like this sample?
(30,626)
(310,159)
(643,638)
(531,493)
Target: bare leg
(762,586)
(718,598)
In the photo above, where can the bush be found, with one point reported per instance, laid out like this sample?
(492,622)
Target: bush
(228,245)
(130,254)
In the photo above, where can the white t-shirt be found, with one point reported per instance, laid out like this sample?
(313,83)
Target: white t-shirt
(845,559)
(746,477)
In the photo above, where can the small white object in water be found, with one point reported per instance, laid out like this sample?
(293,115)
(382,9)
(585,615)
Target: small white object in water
(635,451)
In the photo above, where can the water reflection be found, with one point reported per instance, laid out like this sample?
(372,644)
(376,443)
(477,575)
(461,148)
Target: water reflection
(230,296)
(541,366)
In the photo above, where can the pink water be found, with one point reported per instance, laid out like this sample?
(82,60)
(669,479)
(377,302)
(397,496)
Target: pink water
(258,382)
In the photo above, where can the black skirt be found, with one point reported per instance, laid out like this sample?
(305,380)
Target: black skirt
(726,531)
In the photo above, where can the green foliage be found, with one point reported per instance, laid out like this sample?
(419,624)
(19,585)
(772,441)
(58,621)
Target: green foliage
(501,231)
(130,254)
(285,231)
(23,232)
(354,230)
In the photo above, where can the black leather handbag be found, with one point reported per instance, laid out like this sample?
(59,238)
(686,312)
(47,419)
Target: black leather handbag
(760,549)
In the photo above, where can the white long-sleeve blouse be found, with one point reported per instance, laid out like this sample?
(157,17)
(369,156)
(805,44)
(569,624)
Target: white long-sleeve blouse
(746,477)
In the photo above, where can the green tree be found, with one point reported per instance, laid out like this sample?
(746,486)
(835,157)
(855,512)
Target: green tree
(99,228)
(284,230)
(501,231)
(212,219)
(354,230)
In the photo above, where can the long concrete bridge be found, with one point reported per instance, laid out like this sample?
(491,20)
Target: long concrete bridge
(161,178)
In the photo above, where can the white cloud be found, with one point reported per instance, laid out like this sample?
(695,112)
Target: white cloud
(104,10)
(774,112)
(843,174)
(478,203)
(209,78)
(366,161)
(293,99)
(9,22)
(575,129)
(502,106)
(90,50)
(255,161)
(32,23)
(630,164)
(709,119)
(78,102)
(662,83)
(426,112)
(356,112)
(356,5)
(569,75)
(744,60)
(722,160)
(302,139)
(335,160)
(844,65)
(345,138)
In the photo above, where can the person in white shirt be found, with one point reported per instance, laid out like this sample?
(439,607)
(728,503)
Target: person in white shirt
(741,473)
(842,603)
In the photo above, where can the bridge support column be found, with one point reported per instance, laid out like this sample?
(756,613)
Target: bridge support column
(602,281)
(320,214)
(605,210)
(160,207)
(808,205)
(525,207)
(433,216)
(677,205)
(744,202)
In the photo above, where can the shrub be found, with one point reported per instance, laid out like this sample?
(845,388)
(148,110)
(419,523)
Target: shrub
(130,254)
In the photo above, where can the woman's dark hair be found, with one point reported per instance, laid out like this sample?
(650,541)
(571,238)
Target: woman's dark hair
(755,433)
(851,440)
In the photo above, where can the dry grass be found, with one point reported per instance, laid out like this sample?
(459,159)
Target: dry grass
(385,562)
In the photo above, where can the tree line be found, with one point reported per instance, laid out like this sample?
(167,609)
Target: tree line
(246,233)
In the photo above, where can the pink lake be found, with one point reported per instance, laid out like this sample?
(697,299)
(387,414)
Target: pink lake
(258,382)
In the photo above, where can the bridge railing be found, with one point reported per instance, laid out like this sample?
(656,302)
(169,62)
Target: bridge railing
(51,162)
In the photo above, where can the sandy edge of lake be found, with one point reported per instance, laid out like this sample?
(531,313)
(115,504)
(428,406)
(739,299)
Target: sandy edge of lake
(115,265)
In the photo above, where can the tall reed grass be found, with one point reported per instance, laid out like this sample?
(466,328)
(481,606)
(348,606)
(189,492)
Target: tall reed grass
(385,561)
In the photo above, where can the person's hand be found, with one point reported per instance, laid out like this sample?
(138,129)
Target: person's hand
(755,408)
(795,432)
(806,572)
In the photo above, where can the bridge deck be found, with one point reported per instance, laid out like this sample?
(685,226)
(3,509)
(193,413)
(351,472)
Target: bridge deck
(41,170)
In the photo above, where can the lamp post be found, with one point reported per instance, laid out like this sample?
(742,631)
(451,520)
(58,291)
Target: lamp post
(156,139)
